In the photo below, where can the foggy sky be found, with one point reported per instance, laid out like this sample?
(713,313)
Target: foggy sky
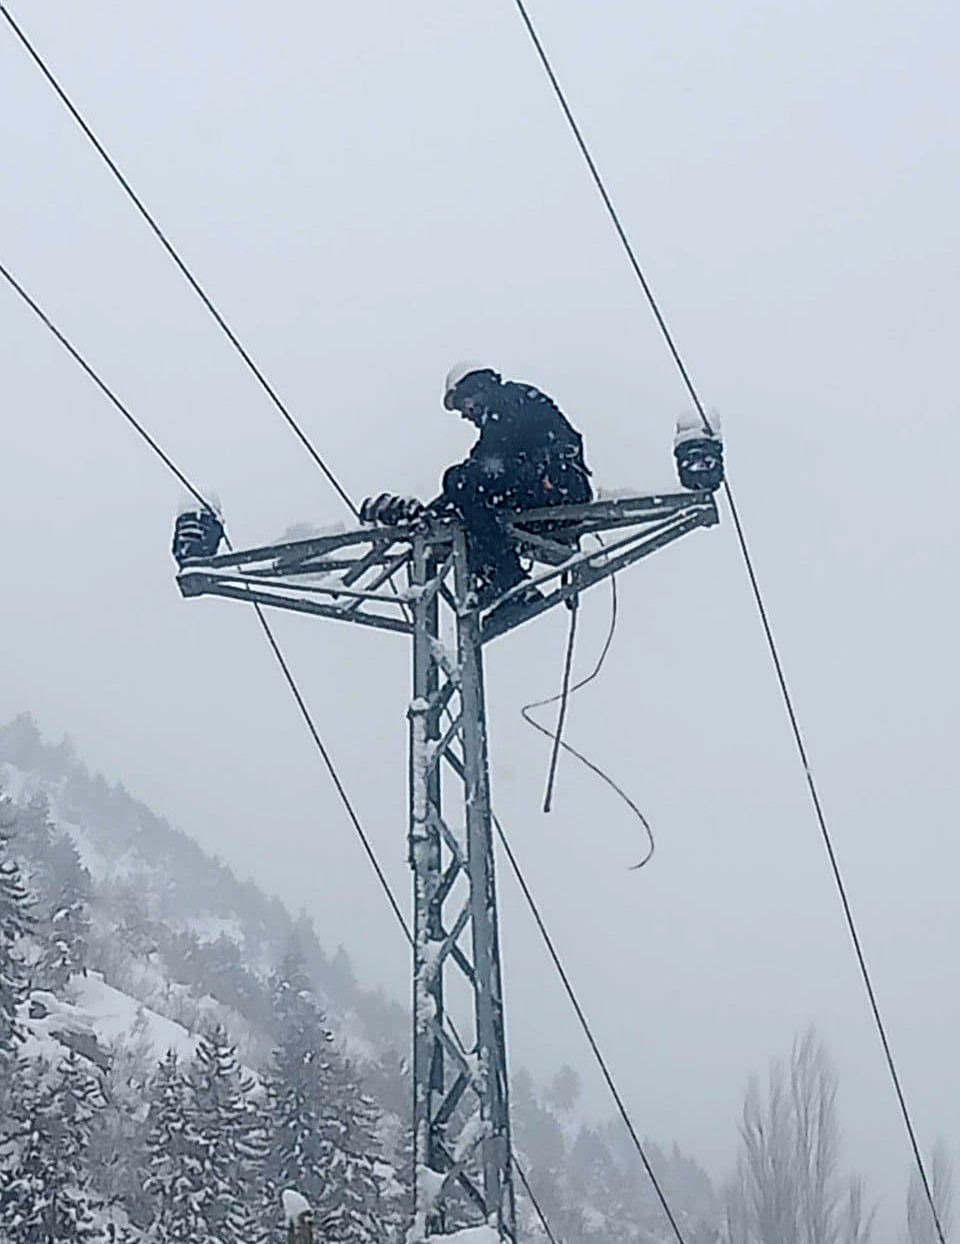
(371,191)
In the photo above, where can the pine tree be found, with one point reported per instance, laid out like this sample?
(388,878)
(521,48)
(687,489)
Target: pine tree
(323,1140)
(45,1197)
(290,994)
(174,1158)
(66,928)
(302,1148)
(62,886)
(35,831)
(15,921)
(117,1154)
(230,1140)
(357,1212)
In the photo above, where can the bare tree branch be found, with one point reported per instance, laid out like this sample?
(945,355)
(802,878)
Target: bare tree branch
(788,1188)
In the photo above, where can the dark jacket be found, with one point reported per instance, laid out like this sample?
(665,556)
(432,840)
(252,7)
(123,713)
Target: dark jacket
(526,450)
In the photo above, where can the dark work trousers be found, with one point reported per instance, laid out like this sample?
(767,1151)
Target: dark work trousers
(483,501)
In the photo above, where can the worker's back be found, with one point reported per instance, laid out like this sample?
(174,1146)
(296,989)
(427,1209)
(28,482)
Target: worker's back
(526,434)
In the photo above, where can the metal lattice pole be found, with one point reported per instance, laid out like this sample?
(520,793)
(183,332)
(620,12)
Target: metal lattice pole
(461,1110)
(462,1151)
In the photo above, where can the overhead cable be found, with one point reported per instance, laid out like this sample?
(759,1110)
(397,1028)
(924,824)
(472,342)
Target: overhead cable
(272,394)
(185,271)
(588,1031)
(268,631)
(280,658)
(761,609)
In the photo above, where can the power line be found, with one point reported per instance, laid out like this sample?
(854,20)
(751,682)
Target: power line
(278,654)
(184,269)
(104,389)
(268,631)
(538,1209)
(611,209)
(761,609)
(181,265)
(588,1031)
(334,775)
(321,464)
(295,427)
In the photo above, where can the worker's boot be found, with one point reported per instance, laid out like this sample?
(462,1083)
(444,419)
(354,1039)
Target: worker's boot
(493,581)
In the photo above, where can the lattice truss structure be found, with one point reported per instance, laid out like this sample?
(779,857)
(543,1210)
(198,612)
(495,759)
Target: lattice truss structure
(415,580)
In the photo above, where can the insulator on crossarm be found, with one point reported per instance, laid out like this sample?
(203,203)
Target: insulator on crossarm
(196,535)
(390,510)
(699,453)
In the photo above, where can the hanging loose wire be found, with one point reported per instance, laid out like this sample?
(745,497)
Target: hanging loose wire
(527,713)
(185,271)
(564,698)
(761,609)
(291,682)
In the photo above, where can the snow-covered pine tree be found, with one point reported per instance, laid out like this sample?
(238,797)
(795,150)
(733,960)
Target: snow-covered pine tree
(46,1196)
(15,920)
(174,1158)
(301,1150)
(35,831)
(117,1154)
(290,993)
(65,928)
(323,1141)
(358,1213)
(230,1136)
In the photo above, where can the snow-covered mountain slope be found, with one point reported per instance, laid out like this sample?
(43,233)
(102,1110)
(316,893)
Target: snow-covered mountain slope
(178,931)
(94,1016)
(172,945)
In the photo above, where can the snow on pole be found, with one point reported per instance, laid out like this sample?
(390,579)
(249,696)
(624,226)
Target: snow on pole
(188,503)
(298,1216)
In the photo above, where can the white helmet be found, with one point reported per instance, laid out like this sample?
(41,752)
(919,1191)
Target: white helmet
(460,372)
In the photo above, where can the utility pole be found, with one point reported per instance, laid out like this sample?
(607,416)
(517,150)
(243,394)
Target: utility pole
(462,1146)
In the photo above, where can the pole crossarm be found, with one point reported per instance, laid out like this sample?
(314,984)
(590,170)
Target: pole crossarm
(638,526)
(348,575)
(344,576)
(463,1170)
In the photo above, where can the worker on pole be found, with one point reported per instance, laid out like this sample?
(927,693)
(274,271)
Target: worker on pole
(526,457)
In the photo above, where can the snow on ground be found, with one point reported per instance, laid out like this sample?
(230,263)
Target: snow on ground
(473,1235)
(112,1014)
(119,868)
(45,1020)
(210,928)
(357,1047)
(16,784)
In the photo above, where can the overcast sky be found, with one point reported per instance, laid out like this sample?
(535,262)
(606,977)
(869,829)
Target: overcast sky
(372,190)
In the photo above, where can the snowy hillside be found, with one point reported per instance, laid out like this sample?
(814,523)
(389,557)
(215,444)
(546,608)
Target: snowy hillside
(184,1050)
